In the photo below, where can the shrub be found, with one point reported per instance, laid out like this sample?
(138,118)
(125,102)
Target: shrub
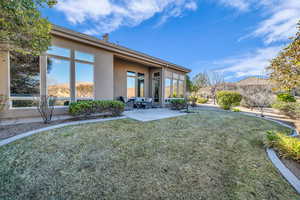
(193,99)
(236,110)
(286,97)
(86,108)
(227,99)
(202,100)
(178,104)
(286,146)
(45,106)
(3,102)
(291,109)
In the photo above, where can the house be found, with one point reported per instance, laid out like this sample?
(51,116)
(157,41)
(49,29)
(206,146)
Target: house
(81,67)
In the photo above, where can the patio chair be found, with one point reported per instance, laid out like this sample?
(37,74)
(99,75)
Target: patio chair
(129,104)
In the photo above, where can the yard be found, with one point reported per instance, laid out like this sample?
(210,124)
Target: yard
(210,155)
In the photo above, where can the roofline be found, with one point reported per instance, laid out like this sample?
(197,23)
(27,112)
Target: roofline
(67,33)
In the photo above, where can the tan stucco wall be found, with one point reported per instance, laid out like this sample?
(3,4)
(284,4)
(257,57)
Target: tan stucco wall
(120,76)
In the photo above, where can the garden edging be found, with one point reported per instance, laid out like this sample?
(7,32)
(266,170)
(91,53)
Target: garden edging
(26,134)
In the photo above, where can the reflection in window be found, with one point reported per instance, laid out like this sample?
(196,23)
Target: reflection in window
(131,76)
(23,103)
(84,56)
(175,88)
(167,88)
(181,89)
(58,77)
(141,85)
(84,80)
(24,75)
(59,51)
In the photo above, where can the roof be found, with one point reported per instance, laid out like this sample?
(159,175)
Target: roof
(117,49)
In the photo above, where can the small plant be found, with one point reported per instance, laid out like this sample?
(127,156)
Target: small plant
(286,146)
(45,105)
(193,99)
(286,97)
(236,110)
(178,104)
(202,100)
(3,102)
(86,108)
(227,99)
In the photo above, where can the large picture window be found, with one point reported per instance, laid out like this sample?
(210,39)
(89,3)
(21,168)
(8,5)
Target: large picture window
(131,79)
(168,88)
(84,80)
(58,80)
(24,79)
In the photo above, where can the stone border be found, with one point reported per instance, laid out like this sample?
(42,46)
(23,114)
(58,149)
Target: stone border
(286,173)
(26,134)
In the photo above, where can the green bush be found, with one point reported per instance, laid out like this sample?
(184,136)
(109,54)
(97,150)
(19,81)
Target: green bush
(227,99)
(202,100)
(178,104)
(236,110)
(286,146)
(286,97)
(99,106)
(291,109)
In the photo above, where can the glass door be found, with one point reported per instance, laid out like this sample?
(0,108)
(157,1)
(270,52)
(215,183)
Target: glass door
(156,87)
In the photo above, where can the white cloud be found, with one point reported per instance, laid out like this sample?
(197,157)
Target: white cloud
(242,5)
(249,64)
(109,15)
(280,23)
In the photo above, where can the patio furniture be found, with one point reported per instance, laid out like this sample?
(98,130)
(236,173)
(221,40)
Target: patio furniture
(148,103)
(129,104)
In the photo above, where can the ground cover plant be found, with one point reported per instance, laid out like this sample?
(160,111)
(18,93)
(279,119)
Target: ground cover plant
(286,146)
(211,155)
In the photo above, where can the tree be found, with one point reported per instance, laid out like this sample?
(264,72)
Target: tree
(22,26)
(285,68)
(189,84)
(200,81)
(216,82)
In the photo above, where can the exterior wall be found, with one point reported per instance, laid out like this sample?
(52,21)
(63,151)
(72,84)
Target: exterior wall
(120,76)
(103,76)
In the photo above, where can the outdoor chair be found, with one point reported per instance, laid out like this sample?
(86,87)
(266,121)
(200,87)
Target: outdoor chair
(129,104)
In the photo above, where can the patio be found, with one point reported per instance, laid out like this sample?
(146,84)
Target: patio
(145,115)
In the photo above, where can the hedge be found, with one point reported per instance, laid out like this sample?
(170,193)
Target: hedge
(227,99)
(86,108)
(178,104)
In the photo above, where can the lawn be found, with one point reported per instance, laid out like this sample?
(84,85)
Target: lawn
(210,155)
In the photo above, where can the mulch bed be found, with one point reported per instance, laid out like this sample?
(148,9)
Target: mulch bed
(7,131)
(292,165)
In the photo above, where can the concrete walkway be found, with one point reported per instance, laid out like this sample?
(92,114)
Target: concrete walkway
(146,115)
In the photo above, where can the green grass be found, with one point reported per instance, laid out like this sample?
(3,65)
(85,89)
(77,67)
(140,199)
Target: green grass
(210,155)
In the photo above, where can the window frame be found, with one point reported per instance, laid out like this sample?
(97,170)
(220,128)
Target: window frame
(136,77)
(20,98)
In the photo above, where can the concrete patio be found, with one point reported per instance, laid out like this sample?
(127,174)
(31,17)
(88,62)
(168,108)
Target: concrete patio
(145,115)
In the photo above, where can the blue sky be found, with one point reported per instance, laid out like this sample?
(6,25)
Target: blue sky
(234,37)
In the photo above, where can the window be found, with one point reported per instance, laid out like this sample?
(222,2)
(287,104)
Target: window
(24,79)
(58,80)
(167,88)
(84,80)
(59,51)
(84,56)
(141,85)
(131,77)
(181,88)
(175,88)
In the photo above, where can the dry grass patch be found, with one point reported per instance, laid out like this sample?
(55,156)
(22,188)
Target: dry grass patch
(210,155)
